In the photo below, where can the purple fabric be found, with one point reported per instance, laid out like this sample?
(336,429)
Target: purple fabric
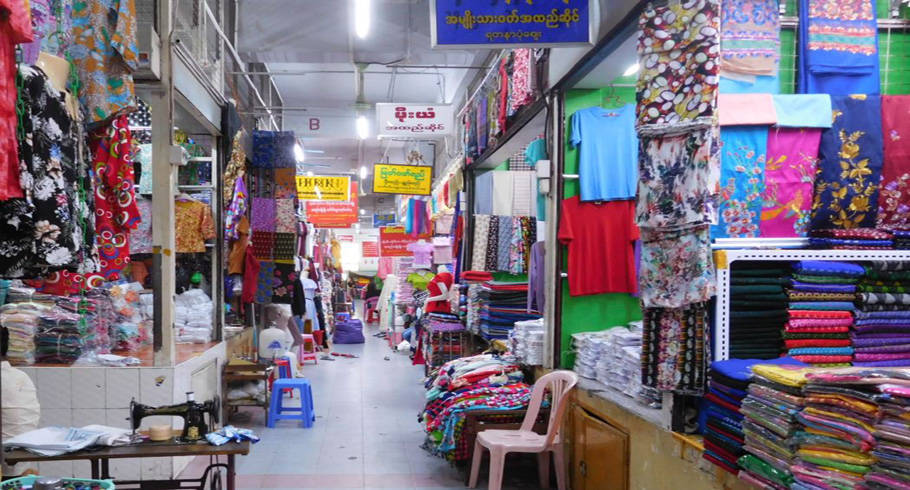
(895,363)
(824,288)
(537,277)
(884,349)
(262,215)
(882,357)
(348,332)
(862,315)
(884,339)
(898,322)
(881,329)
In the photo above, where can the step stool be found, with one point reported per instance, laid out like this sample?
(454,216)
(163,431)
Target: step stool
(303,354)
(305,412)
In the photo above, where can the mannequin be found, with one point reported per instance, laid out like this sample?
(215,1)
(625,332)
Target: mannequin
(439,287)
(57,70)
(420,278)
(423,253)
(281,336)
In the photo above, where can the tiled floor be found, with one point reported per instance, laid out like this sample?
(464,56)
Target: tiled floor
(366,433)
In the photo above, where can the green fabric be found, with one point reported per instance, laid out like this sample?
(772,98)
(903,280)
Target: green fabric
(748,303)
(855,468)
(887,276)
(761,468)
(815,306)
(742,290)
(825,279)
(863,288)
(420,281)
(759,314)
(759,272)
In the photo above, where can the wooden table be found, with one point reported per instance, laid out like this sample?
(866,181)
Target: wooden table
(100,458)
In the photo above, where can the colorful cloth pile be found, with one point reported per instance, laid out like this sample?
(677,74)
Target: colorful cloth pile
(817,330)
(501,304)
(758,309)
(881,335)
(770,424)
(892,435)
(723,428)
(60,337)
(901,239)
(482,382)
(21,320)
(835,438)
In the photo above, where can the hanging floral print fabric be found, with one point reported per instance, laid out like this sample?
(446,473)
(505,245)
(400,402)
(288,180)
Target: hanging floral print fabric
(673,353)
(235,170)
(676,267)
(838,47)
(273,149)
(789,175)
(678,179)
(850,165)
(115,203)
(750,36)
(45,25)
(236,211)
(894,201)
(743,150)
(678,48)
(105,53)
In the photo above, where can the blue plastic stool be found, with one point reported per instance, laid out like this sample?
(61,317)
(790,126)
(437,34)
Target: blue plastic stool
(305,412)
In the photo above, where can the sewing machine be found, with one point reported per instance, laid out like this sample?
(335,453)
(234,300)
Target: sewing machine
(194,426)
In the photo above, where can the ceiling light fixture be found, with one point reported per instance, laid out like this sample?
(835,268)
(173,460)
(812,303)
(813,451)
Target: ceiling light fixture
(363,212)
(362,16)
(299,153)
(309,173)
(363,172)
(363,127)
(631,70)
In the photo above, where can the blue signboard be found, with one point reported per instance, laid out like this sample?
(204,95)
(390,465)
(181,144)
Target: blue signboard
(385,219)
(460,23)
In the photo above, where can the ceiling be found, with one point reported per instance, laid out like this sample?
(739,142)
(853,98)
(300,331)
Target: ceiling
(310,48)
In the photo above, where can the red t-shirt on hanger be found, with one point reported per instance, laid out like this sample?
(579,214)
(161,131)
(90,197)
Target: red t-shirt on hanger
(601,239)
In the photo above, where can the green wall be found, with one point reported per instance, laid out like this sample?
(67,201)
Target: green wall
(591,313)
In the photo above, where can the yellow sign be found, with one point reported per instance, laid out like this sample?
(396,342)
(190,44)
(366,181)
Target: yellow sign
(412,180)
(323,188)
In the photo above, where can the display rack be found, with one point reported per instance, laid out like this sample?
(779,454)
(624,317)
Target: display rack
(724,258)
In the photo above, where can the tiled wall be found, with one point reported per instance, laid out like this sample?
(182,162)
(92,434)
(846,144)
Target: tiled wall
(79,396)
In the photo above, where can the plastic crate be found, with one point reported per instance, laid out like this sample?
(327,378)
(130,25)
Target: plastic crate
(28,481)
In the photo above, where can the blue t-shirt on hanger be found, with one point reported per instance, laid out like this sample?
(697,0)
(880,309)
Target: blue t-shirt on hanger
(608,152)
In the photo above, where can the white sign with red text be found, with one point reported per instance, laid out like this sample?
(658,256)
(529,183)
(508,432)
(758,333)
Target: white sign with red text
(414,120)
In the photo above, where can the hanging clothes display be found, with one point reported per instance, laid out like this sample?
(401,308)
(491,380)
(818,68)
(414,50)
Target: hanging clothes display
(673,348)
(53,33)
(678,47)
(273,149)
(115,201)
(838,47)
(791,164)
(607,152)
(193,225)
(750,37)
(676,267)
(236,211)
(235,170)
(743,150)
(850,165)
(105,53)
(894,200)
(15,28)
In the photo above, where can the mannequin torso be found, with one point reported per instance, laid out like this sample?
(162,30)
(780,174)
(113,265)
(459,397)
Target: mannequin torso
(57,70)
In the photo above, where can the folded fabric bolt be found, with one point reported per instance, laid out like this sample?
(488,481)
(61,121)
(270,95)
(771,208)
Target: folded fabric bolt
(824,288)
(884,349)
(868,357)
(750,289)
(805,343)
(862,315)
(829,268)
(798,323)
(745,109)
(815,329)
(822,305)
(813,314)
(880,340)
(815,335)
(810,296)
(802,110)
(900,322)
(891,266)
(885,298)
(848,243)
(784,280)
(821,351)
(892,363)
(811,279)
(818,359)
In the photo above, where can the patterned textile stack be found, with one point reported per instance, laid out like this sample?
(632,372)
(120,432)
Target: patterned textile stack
(482,382)
(821,313)
(526,342)
(21,319)
(60,337)
(892,435)
(901,239)
(770,426)
(835,438)
(852,239)
(881,335)
(758,309)
(404,266)
(501,305)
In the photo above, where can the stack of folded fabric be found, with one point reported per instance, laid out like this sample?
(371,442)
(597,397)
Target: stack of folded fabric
(723,428)
(758,309)
(770,426)
(892,436)
(501,305)
(526,341)
(853,239)
(817,331)
(590,348)
(881,334)
(59,339)
(901,239)
(835,438)
(21,320)
(404,292)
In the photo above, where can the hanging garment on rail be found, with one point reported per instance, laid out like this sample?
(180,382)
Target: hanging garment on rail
(607,152)
(894,201)
(742,179)
(750,36)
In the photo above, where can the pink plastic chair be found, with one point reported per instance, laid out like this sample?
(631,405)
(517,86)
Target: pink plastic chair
(369,307)
(524,440)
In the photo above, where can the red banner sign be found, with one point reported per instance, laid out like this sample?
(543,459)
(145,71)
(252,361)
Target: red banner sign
(370,249)
(333,214)
(393,241)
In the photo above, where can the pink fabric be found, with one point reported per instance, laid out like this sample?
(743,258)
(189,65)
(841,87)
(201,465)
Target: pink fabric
(746,109)
(894,199)
(385,267)
(789,176)
(797,323)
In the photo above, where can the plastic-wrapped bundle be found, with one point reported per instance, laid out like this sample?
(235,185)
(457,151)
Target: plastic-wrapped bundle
(526,341)
(589,348)
(194,317)
(60,338)
(21,319)
(620,366)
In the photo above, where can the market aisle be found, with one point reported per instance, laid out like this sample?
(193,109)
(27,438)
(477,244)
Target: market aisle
(366,433)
